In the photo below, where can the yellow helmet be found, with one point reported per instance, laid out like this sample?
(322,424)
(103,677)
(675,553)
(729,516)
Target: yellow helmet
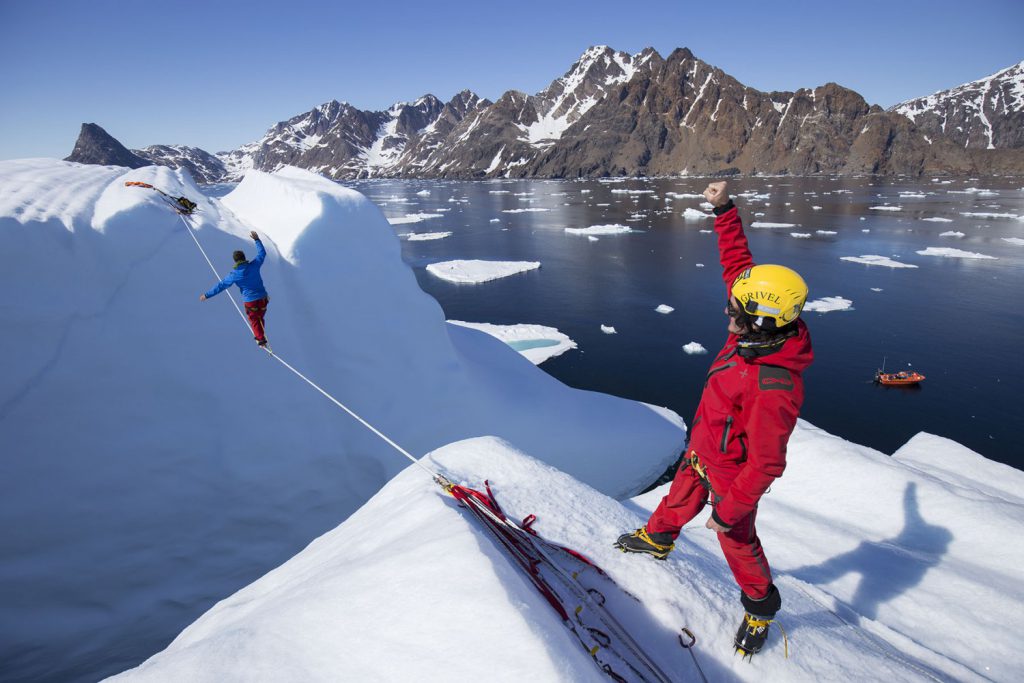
(770,291)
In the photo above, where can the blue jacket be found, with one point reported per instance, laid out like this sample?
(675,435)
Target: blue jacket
(247,276)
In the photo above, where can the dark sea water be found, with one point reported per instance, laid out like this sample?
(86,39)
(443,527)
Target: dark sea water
(955,320)
(105,606)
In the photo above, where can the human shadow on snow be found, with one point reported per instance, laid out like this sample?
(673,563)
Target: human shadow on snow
(887,568)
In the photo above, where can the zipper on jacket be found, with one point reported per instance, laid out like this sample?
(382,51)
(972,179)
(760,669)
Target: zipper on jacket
(719,369)
(725,434)
(727,356)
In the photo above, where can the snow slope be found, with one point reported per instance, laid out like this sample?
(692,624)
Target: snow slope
(905,570)
(387,352)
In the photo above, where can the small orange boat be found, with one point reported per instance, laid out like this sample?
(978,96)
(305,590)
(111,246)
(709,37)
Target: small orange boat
(898,378)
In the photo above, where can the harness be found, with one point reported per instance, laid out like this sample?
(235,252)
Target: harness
(701,470)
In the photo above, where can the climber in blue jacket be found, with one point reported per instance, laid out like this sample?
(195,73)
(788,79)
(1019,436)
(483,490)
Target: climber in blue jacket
(246,274)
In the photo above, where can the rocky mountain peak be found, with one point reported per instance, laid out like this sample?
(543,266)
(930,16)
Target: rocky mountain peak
(96,146)
(984,114)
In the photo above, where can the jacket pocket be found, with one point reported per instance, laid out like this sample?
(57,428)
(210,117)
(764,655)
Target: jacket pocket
(725,434)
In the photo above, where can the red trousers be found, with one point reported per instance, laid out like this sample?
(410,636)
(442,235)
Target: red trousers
(741,546)
(255,310)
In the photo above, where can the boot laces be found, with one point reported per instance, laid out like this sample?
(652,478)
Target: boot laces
(642,534)
(756,625)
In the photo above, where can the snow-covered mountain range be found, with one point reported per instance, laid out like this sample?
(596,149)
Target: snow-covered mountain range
(613,113)
(985,114)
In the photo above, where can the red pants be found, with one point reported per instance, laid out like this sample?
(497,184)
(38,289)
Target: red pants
(741,546)
(255,310)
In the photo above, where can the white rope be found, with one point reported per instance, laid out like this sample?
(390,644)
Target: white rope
(435,476)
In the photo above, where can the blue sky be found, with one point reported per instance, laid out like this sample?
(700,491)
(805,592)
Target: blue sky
(217,74)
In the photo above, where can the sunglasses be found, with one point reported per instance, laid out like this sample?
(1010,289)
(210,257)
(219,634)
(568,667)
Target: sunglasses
(734,312)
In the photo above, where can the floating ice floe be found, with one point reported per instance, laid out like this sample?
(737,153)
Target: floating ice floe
(476,271)
(592,238)
(763,224)
(694,348)
(1014,240)
(618,191)
(950,252)
(532,209)
(413,218)
(495,220)
(876,289)
(707,231)
(875,260)
(952,233)
(607,329)
(801,235)
(699,265)
(912,195)
(423,193)
(938,219)
(984,214)
(424,236)
(885,208)
(816,208)
(826,232)
(980,191)
(537,343)
(499,192)
(684,195)
(662,308)
(828,304)
(611,229)
(692,214)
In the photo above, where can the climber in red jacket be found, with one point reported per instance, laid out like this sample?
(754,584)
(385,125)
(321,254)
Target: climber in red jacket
(747,411)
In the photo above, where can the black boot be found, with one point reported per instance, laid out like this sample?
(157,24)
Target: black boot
(753,631)
(659,545)
(752,634)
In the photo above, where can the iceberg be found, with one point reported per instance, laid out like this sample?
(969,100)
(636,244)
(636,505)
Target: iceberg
(426,236)
(692,214)
(104,410)
(475,271)
(950,252)
(828,304)
(612,229)
(413,218)
(876,260)
(537,343)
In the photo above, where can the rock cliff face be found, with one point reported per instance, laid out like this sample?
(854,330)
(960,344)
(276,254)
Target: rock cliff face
(689,117)
(984,114)
(96,146)
(613,113)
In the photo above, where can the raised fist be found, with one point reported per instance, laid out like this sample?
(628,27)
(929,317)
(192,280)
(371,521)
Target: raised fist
(717,193)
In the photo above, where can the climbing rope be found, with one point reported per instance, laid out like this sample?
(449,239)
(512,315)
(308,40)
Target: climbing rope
(436,477)
(494,520)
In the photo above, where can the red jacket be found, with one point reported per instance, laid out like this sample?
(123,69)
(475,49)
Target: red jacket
(750,404)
